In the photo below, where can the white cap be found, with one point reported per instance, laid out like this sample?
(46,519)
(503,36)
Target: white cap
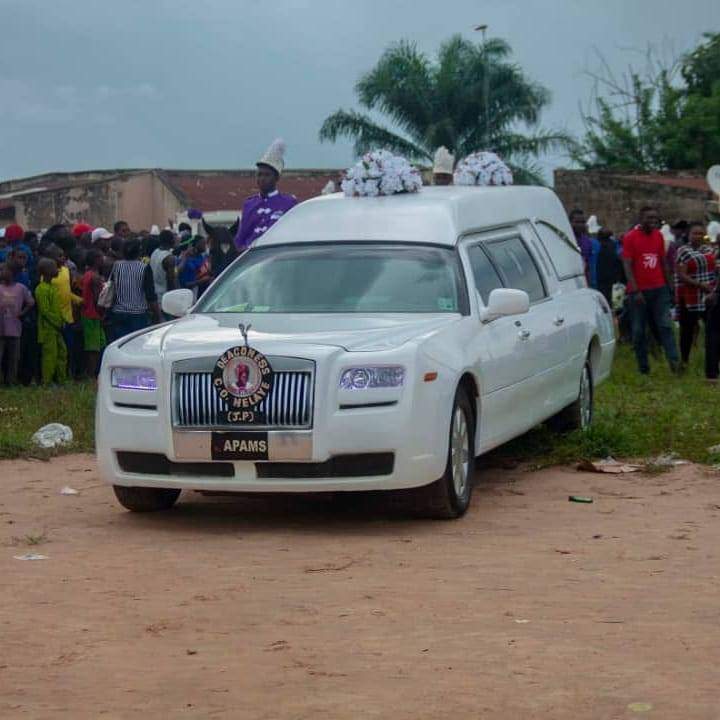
(593,226)
(154,230)
(274,156)
(444,161)
(329,188)
(101,234)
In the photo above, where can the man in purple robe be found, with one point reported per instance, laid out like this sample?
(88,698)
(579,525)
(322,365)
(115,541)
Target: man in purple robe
(260,212)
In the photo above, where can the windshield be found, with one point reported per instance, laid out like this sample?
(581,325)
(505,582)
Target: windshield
(340,278)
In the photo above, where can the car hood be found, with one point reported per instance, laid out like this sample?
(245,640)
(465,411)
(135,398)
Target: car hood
(357,333)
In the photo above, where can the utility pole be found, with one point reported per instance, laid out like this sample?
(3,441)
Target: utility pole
(486,85)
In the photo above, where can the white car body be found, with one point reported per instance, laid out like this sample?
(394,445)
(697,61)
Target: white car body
(520,370)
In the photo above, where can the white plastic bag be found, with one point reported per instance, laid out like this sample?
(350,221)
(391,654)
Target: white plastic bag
(106,298)
(53,435)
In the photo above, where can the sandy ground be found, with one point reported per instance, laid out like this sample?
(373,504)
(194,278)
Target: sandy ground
(529,607)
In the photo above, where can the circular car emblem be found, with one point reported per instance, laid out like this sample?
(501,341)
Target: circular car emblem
(243,378)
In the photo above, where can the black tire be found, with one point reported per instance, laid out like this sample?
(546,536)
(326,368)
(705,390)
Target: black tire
(145,499)
(578,416)
(441,499)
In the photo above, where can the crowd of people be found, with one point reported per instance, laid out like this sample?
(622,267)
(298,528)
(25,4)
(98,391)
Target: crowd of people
(53,322)
(655,274)
(65,293)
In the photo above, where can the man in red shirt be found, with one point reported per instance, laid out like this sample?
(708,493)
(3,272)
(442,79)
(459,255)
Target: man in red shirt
(649,283)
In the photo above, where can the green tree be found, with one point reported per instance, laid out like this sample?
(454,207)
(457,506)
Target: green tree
(657,121)
(697,135)
(701,67)
(434,102)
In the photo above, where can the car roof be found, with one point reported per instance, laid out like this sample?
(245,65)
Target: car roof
(432,215)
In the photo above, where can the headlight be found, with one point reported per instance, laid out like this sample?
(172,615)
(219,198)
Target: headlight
(133,378)
(361,378)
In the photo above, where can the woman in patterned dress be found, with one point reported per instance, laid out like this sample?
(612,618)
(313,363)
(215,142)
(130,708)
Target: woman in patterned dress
(695,270)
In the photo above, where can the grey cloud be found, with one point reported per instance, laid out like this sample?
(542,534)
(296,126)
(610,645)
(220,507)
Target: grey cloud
(208,83)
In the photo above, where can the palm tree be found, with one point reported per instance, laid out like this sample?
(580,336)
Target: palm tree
(441,102)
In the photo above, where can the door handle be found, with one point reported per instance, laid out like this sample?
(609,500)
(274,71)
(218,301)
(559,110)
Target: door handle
(524,334)
(559,321)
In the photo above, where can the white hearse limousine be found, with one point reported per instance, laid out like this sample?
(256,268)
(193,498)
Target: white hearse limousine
(361,344)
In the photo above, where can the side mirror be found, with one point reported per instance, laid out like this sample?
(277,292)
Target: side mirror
(504,302)
(177,302)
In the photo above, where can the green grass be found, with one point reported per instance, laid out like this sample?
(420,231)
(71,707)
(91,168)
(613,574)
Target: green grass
(635,417)
(23,410)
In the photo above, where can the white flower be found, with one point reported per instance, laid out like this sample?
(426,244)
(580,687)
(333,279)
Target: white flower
(482,168)
(381,173)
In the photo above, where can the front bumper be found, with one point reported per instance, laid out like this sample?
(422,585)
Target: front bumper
(414,431)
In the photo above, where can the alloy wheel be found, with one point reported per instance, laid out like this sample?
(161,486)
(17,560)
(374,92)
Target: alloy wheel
(585,399)
(460,452)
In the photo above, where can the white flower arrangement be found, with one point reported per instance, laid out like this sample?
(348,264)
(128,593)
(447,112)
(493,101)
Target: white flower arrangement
(380,172)
(482,168)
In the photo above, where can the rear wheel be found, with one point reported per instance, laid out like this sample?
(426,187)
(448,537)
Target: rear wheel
(449,497)
(579,415)
(144,499)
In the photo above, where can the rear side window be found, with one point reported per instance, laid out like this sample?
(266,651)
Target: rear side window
(563,251)
(517,267)
(485,276)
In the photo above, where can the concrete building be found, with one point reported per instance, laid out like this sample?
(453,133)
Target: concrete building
(142,197)
(616,198)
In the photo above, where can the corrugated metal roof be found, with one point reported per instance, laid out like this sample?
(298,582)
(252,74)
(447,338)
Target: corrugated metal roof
(228,190)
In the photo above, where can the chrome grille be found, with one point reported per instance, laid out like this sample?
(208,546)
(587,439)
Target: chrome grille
(289,403)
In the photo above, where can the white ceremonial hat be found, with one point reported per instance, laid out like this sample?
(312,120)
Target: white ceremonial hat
(274,156)
(443,162)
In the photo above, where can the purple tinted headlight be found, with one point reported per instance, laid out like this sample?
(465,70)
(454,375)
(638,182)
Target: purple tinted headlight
(131,378)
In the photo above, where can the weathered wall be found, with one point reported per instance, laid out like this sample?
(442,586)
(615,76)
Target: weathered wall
(616,199)
(166,205)
(140,200)
(58,179)
(87,203)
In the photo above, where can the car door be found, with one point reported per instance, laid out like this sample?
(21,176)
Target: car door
(501,355)
(543,328)
(567,270)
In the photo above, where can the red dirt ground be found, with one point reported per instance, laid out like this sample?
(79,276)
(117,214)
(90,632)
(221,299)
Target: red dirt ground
(302,607)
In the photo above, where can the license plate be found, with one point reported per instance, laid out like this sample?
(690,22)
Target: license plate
(239,446)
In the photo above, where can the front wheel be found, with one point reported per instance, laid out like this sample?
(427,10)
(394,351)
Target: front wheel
(449,497)
(579,415)
(144,499)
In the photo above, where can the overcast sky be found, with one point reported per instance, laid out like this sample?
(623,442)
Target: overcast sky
(209,83)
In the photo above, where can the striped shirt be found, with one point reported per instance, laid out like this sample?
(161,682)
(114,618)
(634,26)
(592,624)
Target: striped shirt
(134,286)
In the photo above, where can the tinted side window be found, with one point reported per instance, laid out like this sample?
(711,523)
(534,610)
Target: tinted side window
(517,267)
(485,275)
(563,251)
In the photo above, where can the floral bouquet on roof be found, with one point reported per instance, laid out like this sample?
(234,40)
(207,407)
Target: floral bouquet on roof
(482,168)
(381,173)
